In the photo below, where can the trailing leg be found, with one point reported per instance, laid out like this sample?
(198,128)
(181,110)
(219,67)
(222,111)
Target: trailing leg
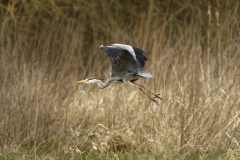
(155,95)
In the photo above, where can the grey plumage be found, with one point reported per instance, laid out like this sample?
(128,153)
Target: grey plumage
(126,61)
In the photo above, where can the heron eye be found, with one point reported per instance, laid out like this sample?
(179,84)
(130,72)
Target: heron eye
(90,78)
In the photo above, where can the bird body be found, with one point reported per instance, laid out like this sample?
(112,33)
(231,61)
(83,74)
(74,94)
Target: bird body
(127,63)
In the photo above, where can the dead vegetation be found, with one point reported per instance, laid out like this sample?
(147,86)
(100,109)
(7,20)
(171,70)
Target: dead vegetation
(194,56)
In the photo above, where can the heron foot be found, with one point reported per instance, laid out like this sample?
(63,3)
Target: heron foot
(153,99)
(157,96)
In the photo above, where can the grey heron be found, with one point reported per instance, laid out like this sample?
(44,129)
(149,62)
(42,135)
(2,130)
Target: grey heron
(127,63)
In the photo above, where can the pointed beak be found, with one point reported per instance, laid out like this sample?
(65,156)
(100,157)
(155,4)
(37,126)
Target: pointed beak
(82,81)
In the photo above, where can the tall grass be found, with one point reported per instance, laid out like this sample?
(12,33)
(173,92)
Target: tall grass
(194,57)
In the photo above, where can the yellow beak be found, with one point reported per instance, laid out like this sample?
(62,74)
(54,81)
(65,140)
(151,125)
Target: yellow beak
(82,81)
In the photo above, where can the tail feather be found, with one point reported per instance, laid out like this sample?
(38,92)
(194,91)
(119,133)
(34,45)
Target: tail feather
(145,74)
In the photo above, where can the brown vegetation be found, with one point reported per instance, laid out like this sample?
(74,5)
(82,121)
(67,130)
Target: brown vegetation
(194,55)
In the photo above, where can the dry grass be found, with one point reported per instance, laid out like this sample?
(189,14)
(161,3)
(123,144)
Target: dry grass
(194,57)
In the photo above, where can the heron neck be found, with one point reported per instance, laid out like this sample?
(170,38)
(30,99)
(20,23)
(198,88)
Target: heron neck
(102,85)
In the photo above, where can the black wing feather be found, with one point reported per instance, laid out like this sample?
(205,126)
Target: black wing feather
(123,62)
(140,55)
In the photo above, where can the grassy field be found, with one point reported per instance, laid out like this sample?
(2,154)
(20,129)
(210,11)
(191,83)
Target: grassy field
(194,56)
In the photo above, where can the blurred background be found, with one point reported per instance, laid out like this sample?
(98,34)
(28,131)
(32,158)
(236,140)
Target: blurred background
(194,56)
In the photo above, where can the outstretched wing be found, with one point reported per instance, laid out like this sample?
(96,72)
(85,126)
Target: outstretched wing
(125,59)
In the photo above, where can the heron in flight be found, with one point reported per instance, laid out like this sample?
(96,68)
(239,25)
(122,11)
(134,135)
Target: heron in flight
(127,63)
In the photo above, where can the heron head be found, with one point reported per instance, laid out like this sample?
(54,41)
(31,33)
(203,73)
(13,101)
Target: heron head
(88,81)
